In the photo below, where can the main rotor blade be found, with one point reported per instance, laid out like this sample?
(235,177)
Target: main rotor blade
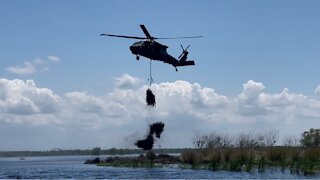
(180,37)
(144,29)
(129,37)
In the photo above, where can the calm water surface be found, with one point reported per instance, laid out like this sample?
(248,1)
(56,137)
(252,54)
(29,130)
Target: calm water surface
(74,167)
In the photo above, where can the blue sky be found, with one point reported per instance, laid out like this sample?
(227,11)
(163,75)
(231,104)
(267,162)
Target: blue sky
(276,43)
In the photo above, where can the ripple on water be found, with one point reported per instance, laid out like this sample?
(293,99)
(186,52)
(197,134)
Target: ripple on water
(73,168)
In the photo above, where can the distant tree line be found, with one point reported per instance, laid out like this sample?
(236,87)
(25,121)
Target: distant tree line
(96,151)
(310,138)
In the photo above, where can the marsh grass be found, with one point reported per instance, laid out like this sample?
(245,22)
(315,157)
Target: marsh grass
(245,152)
(297,159)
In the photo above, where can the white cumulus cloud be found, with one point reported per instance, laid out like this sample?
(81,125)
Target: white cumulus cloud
(126,81)
(83,102)
(27,68)
(186,108)
(24,98)
(31,67)
(53,58)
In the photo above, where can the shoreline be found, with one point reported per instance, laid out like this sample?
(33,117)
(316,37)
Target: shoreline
(148,160)
(244,161)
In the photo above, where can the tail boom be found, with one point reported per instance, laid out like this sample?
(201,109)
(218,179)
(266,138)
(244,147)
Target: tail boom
(186,63)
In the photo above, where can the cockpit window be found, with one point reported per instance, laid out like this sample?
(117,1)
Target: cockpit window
(140,43)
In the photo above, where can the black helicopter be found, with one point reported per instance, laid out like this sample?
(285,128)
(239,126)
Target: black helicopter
(153,50)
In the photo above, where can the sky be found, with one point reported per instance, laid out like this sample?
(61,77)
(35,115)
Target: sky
(64,86)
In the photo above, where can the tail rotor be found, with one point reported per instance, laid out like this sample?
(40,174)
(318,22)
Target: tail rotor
(184,51)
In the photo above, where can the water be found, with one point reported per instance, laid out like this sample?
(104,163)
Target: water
(73,167)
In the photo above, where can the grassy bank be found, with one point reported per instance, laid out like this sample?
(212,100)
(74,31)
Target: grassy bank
(249,151)
(302,161)
(147,161)
(299,160)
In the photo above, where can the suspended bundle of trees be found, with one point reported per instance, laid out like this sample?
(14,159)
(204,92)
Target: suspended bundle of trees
(150,98)
(147,143)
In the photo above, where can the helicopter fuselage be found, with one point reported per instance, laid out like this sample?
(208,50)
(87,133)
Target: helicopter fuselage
(153,50)
(150,49)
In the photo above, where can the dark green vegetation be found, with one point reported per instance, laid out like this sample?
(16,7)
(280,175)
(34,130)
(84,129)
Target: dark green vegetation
(253,150)
(298,160)
(245,152)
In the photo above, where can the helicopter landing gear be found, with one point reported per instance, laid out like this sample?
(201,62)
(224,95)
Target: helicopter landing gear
(137,57)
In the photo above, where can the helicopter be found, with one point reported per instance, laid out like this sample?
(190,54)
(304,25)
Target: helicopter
(153,50)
